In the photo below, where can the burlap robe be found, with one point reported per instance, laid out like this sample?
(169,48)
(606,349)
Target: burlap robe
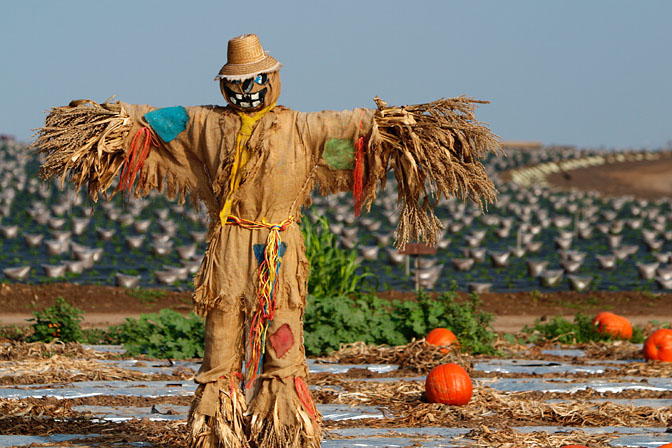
(286,160)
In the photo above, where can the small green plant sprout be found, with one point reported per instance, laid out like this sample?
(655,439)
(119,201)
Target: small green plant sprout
(146,296)
(12,333)
(60,321)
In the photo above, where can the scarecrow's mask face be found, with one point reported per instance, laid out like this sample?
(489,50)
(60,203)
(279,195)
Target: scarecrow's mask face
(252,94)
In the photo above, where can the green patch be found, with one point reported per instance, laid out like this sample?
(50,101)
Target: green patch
(339,153)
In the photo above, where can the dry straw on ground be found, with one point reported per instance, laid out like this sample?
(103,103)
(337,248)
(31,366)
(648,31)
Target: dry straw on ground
(510,438)
(623,350)
(41,350)
(60,369)
(416,356)
(404,405)
(57,362)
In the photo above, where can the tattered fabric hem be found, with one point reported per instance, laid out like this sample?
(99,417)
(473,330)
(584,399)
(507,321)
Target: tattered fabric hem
(226,428)
(279,417)
(267,435)
(203,302)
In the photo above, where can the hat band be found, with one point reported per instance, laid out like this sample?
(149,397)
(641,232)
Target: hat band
(254,71)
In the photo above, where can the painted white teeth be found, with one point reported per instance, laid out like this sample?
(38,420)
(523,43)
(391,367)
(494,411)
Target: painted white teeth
(244,104)
(254,96)
(256,103)
(239,96)
(233,100)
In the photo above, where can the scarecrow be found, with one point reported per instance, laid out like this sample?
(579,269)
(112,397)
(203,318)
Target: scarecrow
(254,164)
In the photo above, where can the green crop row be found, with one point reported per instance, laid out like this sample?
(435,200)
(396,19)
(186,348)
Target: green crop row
(328,322)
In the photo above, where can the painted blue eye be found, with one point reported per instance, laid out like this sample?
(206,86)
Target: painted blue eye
(261,79)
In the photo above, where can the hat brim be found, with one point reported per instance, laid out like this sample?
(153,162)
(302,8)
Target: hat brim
(238,72)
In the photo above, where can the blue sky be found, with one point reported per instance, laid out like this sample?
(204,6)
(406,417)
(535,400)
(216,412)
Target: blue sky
(586,73)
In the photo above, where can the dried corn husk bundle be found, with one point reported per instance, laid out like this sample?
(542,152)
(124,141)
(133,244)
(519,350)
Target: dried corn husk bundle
(84,139)
(435,149)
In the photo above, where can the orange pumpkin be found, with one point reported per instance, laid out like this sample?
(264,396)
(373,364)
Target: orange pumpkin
(448,384)
(612,324)
(441,337)
(658,346)
(667,445)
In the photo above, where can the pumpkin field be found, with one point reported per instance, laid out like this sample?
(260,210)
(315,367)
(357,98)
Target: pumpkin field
(590,268)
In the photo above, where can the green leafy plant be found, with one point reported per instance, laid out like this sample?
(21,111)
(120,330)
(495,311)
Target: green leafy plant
(167,334)
(331,321)
(60,321)
(332,270)
(102,336)
(581,330)
(472,326)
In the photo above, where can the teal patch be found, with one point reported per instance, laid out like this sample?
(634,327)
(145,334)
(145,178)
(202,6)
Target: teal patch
(260,250)
(339,153)
(168,122)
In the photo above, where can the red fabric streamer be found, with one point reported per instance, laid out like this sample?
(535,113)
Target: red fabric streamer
(358,173)
(358,177)
(135,159)
(304,395)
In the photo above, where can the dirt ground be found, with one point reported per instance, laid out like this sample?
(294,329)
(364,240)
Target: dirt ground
(645,179)
(105,305)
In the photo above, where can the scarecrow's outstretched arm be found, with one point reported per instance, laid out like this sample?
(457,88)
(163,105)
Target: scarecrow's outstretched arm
(332,139)
(434,150)
(93,143)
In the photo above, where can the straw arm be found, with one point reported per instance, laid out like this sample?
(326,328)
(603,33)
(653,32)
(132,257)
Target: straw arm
(85,142)
(434,150)
(99,144)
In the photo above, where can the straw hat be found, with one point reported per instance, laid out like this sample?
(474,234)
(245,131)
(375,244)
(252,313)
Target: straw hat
(246,59)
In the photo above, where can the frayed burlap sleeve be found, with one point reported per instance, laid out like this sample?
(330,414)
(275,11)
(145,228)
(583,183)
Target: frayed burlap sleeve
(434,150)
(330,138)
(90,143)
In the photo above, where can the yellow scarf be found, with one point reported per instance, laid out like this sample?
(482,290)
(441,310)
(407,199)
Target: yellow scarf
(247,123)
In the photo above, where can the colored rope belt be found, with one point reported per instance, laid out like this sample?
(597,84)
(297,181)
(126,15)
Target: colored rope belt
(268,277)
